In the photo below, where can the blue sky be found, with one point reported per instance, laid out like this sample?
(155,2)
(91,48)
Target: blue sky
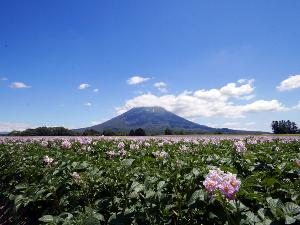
(220,63)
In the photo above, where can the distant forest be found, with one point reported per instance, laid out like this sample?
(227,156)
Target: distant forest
(278,127)
(61,131)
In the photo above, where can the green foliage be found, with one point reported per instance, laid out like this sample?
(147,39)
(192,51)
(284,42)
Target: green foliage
(168,131)
(139,132)
(284,127)
(91,132)
(137,188)
(44,131)
(108,133)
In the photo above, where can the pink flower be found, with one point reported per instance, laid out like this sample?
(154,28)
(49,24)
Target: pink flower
(134,147)
(161,154)
(240,146)
(226,183)
(298,162)
(111,154)
(121,145)
(227,189)
(210,185)
(66,144)
(122,152)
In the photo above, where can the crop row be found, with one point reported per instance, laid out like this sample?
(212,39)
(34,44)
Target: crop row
(231,180)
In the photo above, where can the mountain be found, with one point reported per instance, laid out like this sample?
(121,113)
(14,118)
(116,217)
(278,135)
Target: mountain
(154,120)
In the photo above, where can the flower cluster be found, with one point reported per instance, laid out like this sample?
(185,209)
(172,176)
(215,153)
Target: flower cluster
(240,146)
(183,148)
(226,183)
(113,154)
(66,144)
(44,143)
(147,144)
(161,154)
(121,145)
(47,160)
(134,147)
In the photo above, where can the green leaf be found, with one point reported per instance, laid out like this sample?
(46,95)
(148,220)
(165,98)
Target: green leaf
(197,195)
(66,216)
(252,217)
(98,216)
(196,172)
(127,162)
(21,186)
(160,185)
(269,181)
(47,219)
(291,208)
(289,220)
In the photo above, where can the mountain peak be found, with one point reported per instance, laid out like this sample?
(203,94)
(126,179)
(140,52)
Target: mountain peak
(148,109)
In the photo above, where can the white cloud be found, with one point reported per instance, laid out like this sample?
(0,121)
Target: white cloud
(214,125)
(239,126)
(137,80)
(19,85)
(96,122)
(8,127)
(232,90)
(291,82)
(231,124)
(83,86)
(250,124)
(297,106)
(96,90)
(161,86)
(207,103)
(263,105)
(3,78)
(88,104)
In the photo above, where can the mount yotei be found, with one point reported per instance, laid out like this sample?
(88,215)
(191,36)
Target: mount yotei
(154,120)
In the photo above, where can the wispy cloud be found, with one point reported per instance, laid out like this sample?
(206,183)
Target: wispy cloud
(83,86)
(9,126)
(161,86)
(137,80)
(96,122)
(297,106)
(96,90)
(290,83)
(19,85)
(88,104)
(239,125)
(3,78)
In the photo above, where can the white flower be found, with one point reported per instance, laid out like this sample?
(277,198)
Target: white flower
(76,176)
(47,160)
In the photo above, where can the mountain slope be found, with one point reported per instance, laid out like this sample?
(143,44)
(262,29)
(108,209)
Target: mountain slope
(154,120)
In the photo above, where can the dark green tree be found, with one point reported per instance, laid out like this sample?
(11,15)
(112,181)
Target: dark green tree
(131,133)
(91,132)
(168,131)
(108,133)
(139,132)
(284,127)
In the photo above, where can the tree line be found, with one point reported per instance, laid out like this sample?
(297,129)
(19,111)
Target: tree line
(61,131)
(285,127)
